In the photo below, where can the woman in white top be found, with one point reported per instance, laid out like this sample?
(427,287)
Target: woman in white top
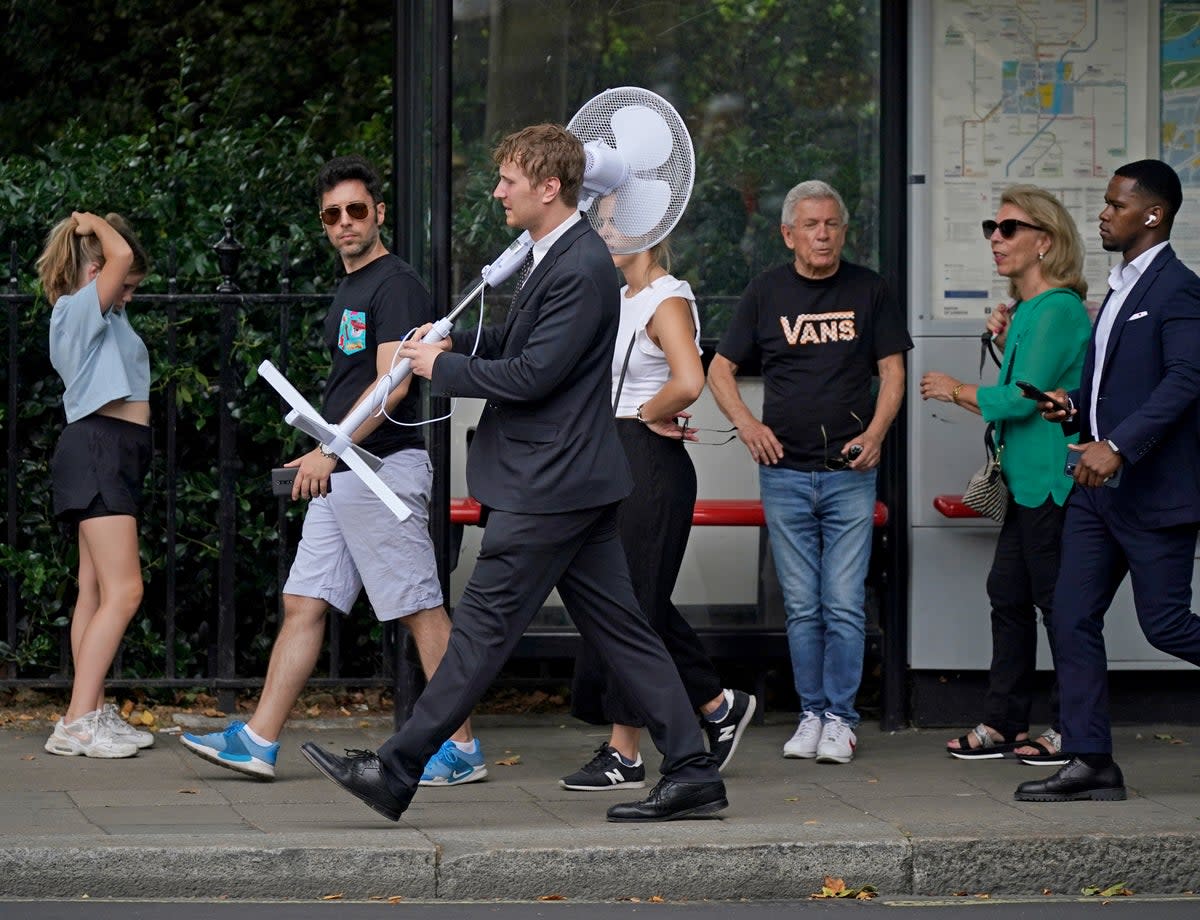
(89,270)
(657,374)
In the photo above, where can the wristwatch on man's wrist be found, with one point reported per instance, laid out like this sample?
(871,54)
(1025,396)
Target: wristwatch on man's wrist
(326,452)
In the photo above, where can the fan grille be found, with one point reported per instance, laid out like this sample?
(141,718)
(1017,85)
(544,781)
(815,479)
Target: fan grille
(593,122)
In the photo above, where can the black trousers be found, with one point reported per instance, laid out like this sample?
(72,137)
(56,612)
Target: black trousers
(523,557)
(654,521)
(1023,575)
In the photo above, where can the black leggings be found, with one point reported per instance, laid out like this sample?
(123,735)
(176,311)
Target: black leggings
(655,521)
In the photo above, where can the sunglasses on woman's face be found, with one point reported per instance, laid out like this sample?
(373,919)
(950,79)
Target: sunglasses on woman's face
(1006,227)
(356,209)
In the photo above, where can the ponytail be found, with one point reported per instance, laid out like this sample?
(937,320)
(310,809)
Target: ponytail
(66,255)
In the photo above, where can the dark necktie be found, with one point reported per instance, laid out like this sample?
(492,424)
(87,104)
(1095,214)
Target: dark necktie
(523,274)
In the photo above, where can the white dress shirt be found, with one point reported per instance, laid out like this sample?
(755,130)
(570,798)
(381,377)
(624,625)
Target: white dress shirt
(542,246)
(1121,280)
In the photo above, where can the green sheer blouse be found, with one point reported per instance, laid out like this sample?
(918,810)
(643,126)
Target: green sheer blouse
(1047,340)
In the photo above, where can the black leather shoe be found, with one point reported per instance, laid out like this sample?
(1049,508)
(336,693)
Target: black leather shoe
(1076,782)
(358,773)
(670,800)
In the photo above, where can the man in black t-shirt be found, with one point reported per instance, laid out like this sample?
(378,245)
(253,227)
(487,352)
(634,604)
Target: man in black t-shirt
(822,328)
(351,540)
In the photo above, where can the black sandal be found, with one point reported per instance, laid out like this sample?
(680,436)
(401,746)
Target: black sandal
(1050,756)
(988,747)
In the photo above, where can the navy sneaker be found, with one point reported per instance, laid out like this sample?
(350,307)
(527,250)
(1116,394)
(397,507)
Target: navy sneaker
(236,750)
(451,767)
(605,771)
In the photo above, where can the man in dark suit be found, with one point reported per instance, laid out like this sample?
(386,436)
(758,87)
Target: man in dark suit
(1136,507)
(548,468)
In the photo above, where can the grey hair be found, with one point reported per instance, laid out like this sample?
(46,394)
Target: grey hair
(813,188)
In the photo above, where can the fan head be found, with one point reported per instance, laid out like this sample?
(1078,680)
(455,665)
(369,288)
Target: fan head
(640,166)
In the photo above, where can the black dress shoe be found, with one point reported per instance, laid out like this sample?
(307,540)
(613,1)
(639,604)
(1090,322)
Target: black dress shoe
(358,773)
(670,800)
(1076,782)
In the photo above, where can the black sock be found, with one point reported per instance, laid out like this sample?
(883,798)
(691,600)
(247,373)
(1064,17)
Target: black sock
(1096,761)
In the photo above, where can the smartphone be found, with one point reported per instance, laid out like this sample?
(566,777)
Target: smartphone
(1073,461)
(282,479)
(1032,392)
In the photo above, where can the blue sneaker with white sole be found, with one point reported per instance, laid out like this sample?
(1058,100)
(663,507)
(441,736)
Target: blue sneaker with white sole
(235,750)
(451,767)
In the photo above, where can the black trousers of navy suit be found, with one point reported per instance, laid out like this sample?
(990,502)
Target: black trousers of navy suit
(1099,548)
(522,558)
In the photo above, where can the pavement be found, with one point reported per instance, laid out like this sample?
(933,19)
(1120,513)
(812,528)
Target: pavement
(903,817)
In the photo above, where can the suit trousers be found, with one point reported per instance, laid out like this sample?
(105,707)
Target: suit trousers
(1099,548)
(522,558)
(655,521)
(1021,582)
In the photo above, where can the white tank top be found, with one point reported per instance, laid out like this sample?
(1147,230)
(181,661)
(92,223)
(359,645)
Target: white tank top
(648,369)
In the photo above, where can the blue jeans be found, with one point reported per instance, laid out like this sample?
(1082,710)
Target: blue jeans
(819,524)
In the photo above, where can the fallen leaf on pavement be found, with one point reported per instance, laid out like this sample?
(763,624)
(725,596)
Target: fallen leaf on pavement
(212,713)
(552,897)
(656,899)
(29,757)
(333,897)
(344,711)
(188,791)
(313,711)
(25,717)
(396,899)
(147,717)
(509,761)
(812,821)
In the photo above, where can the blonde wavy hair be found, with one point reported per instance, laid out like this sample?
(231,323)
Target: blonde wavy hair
(1063,265)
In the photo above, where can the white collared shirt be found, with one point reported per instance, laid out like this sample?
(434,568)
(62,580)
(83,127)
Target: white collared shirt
(1122,279)
(542,246)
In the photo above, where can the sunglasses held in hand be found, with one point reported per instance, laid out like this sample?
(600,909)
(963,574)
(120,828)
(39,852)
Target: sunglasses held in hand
(358,210)
(1007,228)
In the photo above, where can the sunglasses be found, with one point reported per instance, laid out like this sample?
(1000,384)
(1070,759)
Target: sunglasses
(1007,228)
(703,434)
(358,210)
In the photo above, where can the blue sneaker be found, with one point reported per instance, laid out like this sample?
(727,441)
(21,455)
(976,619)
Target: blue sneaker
(451,767)
(235,749)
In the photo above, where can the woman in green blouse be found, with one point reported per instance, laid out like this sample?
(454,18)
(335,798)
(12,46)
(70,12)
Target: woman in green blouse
(1044,334)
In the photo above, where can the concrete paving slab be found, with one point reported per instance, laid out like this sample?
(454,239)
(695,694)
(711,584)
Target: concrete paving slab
(904,817)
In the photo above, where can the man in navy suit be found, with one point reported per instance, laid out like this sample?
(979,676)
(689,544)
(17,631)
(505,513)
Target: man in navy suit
(1136,505)
(549,470)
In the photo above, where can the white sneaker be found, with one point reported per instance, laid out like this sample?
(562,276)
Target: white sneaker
(122,730)
(90,736)
(804,742)
(837,741)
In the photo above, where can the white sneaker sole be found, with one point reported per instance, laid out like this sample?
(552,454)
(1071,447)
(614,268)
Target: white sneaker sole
(632,784)
(835,758)
(473,777)
(80,750)
(255,768)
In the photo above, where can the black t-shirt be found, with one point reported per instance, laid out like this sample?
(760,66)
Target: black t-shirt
(820,342)
(381,302)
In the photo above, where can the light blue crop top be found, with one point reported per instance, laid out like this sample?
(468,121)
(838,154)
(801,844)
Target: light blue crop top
(98,355)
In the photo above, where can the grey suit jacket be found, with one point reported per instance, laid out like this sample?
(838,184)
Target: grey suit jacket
(546,442)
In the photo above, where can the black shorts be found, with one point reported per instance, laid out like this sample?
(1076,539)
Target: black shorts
(98,468)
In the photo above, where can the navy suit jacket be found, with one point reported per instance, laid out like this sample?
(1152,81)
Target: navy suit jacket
(1149,393)
(546,442)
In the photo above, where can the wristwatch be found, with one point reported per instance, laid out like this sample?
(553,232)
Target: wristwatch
(326,452)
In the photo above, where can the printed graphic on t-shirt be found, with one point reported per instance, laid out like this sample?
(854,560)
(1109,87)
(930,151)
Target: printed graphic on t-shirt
(819,328)
(352,335)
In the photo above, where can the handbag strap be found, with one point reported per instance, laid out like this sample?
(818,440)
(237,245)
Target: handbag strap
(624,368)
(993,434)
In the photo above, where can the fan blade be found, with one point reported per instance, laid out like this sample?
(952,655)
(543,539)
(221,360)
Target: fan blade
(643,137)
(641,203)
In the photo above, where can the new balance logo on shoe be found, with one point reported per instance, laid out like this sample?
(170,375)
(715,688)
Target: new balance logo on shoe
(615,776)
(727,733)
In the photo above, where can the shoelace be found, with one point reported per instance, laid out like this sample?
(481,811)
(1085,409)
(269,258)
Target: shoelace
(360,754)
(837,730)
(234,728)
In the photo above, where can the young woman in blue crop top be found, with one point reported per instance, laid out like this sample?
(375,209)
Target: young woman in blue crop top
(89,271)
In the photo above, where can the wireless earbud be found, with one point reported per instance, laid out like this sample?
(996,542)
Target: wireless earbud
(1150,221)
